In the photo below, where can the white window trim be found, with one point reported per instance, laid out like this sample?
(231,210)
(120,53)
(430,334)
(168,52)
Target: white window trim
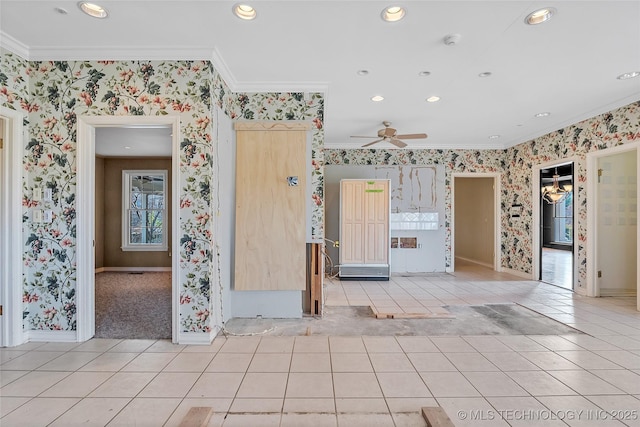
(145,247)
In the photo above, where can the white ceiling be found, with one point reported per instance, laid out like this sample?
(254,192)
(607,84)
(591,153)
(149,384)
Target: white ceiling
(140,141)
(567,66)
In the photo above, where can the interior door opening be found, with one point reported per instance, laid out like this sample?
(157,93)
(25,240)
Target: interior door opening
(475,219)
(133,232)
(557,225)
(86,213)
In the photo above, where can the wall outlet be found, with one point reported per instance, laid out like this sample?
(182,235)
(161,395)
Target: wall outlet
(48,194)
(48,216)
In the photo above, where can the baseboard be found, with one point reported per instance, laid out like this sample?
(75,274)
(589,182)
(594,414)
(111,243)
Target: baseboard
(617,292)
(197,338)
(125,269)
(517,273)
(50,336)
(473,261)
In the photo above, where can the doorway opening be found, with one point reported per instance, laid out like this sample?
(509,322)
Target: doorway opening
(88,128)
(133,232)
(557,225)
(612,230)
(11,160)
(475,231)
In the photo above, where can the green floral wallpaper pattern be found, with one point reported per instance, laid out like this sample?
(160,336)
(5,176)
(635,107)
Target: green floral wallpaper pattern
(53,94)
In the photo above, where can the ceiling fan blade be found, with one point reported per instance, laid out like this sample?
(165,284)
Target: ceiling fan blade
(412,136)
(357,136)
(397,143)
(373,142)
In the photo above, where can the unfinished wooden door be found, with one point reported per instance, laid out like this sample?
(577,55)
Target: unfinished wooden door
(364,221)
(270,245)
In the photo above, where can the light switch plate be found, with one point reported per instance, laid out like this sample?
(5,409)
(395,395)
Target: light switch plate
(37,215)
(48,194)
(48,216)
(37,194)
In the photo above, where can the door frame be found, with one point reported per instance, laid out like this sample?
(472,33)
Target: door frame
(497,223)
(536,241)
(592,217)
(85,276)
(11,325)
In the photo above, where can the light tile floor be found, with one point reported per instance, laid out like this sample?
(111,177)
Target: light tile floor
(550,380)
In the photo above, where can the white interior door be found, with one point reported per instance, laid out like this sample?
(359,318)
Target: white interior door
(617,224)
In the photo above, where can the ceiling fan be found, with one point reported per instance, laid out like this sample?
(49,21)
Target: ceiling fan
(390,134)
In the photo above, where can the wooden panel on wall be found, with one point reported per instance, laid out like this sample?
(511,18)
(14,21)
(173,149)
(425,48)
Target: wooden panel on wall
(270,214)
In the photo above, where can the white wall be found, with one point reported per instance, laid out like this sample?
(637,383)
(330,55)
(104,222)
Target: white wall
(617,224)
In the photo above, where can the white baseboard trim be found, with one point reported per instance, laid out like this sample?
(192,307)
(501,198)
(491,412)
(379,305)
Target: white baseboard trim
(617,292)
(197,338)
(51,336)
(484,264)
(150,269)
(517,273)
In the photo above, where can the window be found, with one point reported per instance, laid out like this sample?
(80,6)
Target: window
(144,221)
(563,219)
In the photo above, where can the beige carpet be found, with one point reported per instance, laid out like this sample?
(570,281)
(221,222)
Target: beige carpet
(133,305)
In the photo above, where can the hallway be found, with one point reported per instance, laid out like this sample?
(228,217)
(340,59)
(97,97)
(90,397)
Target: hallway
(556,267)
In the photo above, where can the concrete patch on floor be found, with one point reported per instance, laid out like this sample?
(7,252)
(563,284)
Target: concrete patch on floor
(490,319)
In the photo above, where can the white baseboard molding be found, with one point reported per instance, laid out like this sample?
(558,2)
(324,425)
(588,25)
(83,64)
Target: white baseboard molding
(133,269)
(617,292)
(517,273)
(50,336)
(473,261)
(197,338)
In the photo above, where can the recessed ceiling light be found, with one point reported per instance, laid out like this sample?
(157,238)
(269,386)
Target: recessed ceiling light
(127,148)
(545,114)
(93,9)
(539,16)
(433,98)
(60,10)
(424,73)
(244,11)
(484,74)
(362,72)
(377,98)
(494,136)
(630,75)
(393,13)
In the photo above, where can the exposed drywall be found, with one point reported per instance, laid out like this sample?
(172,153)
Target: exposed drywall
(474,219)
(414,189)
(113,255)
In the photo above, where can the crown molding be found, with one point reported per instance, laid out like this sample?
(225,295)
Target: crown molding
(12,45)
(52,53)
(48,53)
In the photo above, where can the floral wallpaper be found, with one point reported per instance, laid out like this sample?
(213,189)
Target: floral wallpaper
(607,130)
(53,94)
